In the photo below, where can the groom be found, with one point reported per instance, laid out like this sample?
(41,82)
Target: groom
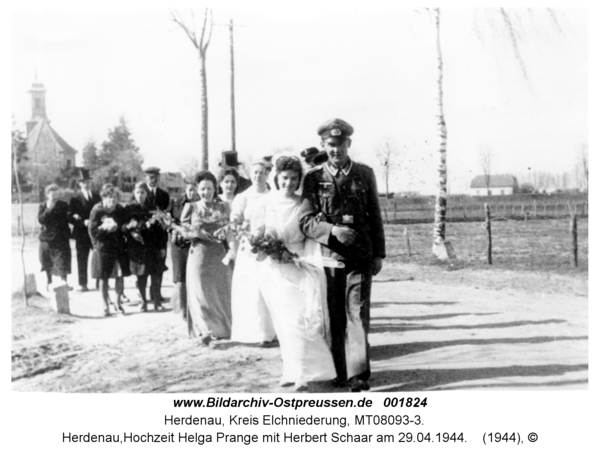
(340,210)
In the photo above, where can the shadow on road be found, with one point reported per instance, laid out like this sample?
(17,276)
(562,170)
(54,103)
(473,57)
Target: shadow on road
(396,327)
(385,352)
(426,379)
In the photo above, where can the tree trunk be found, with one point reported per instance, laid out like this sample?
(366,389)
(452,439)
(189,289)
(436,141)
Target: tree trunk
(22,225)
(439,227)
(204,104)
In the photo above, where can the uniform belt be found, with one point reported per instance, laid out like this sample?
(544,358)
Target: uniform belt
(355,219)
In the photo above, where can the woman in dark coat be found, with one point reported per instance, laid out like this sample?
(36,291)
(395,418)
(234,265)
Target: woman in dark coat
(55,250)
(110,257)
(144,245)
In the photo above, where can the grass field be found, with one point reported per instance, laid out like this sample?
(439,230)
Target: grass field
(534,245)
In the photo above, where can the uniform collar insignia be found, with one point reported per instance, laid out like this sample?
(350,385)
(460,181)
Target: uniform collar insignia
(335,171)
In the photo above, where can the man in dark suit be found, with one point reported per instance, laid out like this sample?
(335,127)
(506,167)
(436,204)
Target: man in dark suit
(80,207)
(230,159)
(157,199)
(340,210)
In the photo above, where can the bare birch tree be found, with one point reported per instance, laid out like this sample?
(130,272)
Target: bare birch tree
(510,26)
(439,223)
(201,43)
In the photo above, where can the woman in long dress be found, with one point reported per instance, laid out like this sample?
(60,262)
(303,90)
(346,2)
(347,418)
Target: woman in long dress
(208,279)
(251,319)
(295,294)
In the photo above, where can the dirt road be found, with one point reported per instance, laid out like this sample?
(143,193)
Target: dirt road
(451,334)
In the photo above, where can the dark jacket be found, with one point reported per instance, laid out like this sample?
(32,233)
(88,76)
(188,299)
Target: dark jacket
(347,200)
(152,235)
(160,200)
(107,242)
(79,205)
(54,222)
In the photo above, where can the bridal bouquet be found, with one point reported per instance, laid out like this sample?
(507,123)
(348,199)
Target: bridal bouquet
(268,246)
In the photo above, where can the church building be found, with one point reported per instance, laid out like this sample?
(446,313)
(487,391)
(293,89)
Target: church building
(45,146)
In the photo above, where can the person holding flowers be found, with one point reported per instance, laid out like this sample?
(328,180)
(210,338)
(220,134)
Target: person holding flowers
(208,279)
(110,257)
(145,246)
(55,250)
(251,319)
(292,281)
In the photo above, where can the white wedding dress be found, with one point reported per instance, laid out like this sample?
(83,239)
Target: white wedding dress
(296,297)
(251,321)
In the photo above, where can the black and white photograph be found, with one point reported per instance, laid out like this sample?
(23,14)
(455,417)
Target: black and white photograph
(321,198)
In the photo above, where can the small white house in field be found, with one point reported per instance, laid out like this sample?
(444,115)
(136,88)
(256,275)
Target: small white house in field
(498,185)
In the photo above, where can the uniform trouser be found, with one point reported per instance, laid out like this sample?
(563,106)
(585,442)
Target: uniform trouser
(349,302)
(83,248)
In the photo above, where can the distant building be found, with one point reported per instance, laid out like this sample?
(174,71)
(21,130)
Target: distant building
(49,154)
(498,185)
(43,142)
(172,182)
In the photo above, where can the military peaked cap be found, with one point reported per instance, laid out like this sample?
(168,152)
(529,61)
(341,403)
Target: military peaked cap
(152,170)
(335,128)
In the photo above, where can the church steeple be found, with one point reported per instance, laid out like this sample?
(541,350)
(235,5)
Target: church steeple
(38,104)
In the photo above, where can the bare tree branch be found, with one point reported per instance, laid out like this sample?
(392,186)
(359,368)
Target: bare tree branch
(514,39)
(209,33)
(191,34)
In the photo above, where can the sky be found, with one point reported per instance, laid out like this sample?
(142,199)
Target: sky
(374,66)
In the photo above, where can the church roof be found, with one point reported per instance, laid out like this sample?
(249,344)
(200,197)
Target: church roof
(43,138)
(496,181)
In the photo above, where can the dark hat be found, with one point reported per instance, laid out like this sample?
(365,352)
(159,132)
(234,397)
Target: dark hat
(83,174)
(313,155)
(152,170)
(335,128)
(268,161)
(229,159)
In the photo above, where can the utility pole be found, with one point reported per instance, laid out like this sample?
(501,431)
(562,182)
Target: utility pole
(232,86)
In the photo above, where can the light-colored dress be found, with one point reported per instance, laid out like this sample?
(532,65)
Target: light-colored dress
(251,319)
(296,297)
(208,280)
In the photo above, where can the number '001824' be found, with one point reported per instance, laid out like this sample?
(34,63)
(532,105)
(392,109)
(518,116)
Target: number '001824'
(405,402)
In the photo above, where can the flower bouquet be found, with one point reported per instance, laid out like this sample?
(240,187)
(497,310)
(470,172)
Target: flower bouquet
(267,245)
(108,224)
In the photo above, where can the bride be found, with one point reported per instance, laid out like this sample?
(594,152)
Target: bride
(294,291)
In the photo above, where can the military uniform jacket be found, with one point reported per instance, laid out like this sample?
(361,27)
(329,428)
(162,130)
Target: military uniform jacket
(346,197)
(83,207)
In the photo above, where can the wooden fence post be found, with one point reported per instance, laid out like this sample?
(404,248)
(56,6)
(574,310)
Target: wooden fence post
(488,228)
(407,241)
(386,216)
(573,229)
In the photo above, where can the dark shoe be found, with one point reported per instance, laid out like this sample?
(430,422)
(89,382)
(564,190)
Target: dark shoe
(158,307)
(357,385)
(82,288)
(338,383)
(119,308)
(107,312)
(144,307)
